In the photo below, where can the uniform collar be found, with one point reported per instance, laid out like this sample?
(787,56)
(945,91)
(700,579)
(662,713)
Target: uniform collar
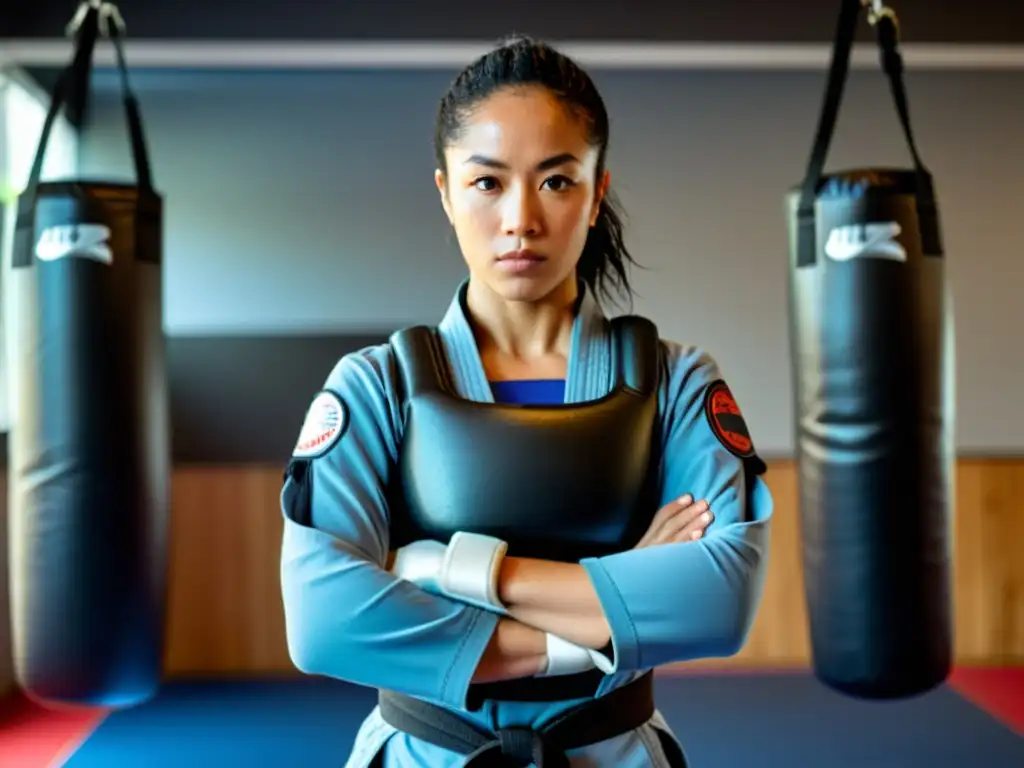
(590,374)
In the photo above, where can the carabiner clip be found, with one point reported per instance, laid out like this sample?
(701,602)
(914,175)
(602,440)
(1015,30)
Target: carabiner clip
(878,10)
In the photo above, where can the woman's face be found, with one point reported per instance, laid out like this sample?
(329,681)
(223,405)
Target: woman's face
(521,192)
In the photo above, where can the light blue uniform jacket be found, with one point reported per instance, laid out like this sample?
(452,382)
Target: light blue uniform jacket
(348,618)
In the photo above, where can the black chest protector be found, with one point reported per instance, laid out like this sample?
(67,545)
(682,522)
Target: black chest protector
(557,482)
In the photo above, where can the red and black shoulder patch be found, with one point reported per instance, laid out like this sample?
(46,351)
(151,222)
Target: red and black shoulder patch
(726,420)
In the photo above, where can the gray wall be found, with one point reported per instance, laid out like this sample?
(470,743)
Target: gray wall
(301,203)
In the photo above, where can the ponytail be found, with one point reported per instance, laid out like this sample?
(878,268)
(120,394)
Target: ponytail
(604,264)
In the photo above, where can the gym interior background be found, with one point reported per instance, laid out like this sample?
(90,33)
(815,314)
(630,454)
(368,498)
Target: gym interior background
(302,223)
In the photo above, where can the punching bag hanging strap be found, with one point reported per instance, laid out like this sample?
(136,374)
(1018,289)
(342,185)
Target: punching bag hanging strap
(884,20)
(807,234)
(72,90)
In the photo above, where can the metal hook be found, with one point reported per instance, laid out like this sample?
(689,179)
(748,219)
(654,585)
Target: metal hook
(108,14)
(878,10)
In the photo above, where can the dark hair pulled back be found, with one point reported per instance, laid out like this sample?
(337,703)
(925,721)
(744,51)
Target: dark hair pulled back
(521,61)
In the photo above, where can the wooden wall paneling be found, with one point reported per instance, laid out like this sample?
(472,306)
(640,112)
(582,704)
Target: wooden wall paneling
(225,613)
(989,561)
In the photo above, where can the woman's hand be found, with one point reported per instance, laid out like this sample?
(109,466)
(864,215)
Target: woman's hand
(679,520)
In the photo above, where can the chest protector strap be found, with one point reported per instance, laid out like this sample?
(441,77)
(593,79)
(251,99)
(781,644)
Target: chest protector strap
(636,360)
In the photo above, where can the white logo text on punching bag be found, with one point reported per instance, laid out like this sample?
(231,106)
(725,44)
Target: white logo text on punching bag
(83,241)
(865,241)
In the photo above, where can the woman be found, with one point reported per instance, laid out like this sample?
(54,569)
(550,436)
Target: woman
(509,607)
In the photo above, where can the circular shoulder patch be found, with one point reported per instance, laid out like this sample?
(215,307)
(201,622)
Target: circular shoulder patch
(727,423)
(325,423)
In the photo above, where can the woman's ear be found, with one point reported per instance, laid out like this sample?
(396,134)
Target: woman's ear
(442,187)
(600,191)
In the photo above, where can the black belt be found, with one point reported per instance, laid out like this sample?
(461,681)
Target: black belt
(582,685)
(621,711)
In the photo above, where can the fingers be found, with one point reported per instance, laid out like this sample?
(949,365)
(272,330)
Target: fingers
(689,523)
(669,511)
(681,520)
(661,517)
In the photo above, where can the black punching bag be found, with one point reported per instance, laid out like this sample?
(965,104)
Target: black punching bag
(872,361)
(89,444)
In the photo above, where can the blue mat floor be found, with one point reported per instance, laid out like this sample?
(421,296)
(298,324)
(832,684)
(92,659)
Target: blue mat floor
(769,721)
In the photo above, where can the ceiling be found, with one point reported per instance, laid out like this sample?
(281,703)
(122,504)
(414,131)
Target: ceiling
(720,21)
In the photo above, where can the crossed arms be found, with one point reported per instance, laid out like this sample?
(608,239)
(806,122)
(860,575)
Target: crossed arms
(348,617)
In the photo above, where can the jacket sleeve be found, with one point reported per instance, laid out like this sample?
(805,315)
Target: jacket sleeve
(345,616)
(682,601)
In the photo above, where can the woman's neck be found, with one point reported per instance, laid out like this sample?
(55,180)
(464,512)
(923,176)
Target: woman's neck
(527,332)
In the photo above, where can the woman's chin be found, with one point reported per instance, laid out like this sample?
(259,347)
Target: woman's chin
(525,288)
(530,286)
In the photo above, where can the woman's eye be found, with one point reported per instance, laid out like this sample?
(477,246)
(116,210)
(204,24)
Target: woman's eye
(485,184)
(558,183)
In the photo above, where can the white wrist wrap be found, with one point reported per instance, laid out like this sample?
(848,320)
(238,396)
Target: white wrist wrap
(472,563)
(565,658)
(601,661)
